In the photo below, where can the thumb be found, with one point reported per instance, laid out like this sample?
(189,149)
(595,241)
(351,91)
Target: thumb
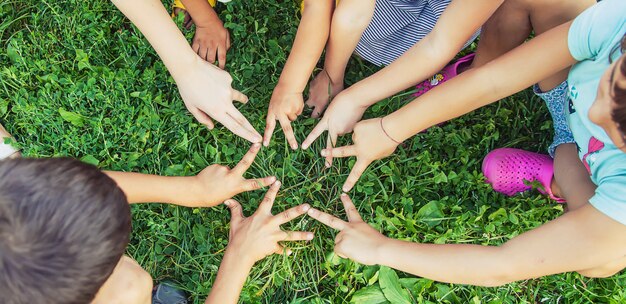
(236,212)
(238,96)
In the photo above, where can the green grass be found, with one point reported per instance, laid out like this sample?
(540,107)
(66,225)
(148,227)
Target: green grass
(76,79)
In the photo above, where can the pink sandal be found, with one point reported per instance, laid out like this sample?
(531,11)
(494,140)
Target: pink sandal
(506,170)
(444,75)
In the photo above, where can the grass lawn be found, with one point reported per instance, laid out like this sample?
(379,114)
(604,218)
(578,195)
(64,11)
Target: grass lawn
(77,79)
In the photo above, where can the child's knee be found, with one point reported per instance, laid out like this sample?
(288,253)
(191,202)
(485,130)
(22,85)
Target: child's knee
(129,283)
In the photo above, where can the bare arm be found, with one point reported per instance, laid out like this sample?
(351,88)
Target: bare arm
(518,69)
(579,240)
(196,78)
(307,48)
(287,103)
(210,187)
(457,24)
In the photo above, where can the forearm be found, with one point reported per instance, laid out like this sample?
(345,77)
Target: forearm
(152,19)
(457,24)
(201,12)
(307,48)
(417,64)
(581,239)
(533,61)
(230,279)
(146,188)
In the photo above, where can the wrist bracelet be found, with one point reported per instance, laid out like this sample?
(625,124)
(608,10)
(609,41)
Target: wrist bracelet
(384,131)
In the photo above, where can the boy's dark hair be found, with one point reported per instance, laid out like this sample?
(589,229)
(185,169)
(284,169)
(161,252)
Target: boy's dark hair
(619,111)
(64,226)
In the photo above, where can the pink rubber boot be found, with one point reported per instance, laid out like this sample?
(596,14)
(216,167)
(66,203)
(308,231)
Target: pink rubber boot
(506,170)
(444,75)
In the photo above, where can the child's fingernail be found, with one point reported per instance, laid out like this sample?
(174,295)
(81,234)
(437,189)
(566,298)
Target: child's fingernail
(344,195)
(324,153)
(289,252)
(311,211)
(306,207)
(277,184)
(327,164)
(309,236)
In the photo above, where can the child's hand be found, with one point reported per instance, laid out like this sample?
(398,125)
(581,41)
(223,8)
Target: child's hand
(217,183)
(208,95)
(285,106)
(319,90)
(211,41)
(370,143)
(356,240)
(253,238)
(340,118)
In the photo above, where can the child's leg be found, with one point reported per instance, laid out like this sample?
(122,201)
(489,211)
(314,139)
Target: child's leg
(129,283)
(571,180)
(350,19)
(513,21)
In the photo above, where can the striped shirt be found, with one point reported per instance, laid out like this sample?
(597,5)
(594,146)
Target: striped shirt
(396,26)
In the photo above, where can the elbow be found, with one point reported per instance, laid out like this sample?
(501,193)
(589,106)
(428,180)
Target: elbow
(501,270)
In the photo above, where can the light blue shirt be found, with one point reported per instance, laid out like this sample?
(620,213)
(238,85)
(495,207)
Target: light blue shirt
(592,38)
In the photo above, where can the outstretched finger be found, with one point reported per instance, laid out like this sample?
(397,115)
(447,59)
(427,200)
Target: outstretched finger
(317,131)
(327,219)
(351,212)
(289,236)
(270,124)
(258,183)
(290,214)
(221,55)
(288,130)
(355,174)
(236,213)
(202,117)
(247,160)
(270,196)
(282,250)
(330,143)
(238,96)
(239,125)
(345,151)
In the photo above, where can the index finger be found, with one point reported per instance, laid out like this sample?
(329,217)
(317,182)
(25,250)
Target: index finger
(288,130)
(351,212)
(317,131)
(327,219)
(239,125)
(268,200)
(221,55)
(355,174)
(247,160)
(290,214)
(270,124)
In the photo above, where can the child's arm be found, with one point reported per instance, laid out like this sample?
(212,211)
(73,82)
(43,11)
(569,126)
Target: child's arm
(196,79)
(287,102)
(577,241)
(252,239)
(533,61)
(455,27)
(210,187)
(211,37)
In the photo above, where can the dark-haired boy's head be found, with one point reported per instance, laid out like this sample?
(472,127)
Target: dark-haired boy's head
(64,226)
